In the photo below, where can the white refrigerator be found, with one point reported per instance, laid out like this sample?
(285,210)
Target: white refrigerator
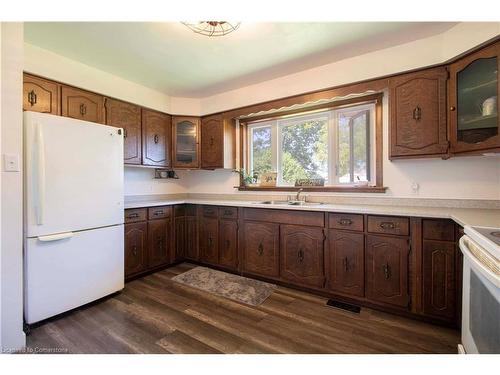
(73,214)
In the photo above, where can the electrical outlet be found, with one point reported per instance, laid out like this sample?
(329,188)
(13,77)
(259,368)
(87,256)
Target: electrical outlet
(11,163)
(415,187)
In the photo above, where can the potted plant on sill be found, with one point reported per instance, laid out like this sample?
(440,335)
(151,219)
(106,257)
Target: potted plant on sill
(247,179)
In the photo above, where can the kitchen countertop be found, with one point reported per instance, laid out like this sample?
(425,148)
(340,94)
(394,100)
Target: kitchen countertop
(462,216)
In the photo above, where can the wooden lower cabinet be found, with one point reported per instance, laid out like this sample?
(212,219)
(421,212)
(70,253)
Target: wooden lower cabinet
(135,248)
(346,262)
(439,286)
(261,248)
(159,242)
(302,254)
(180,238)
(191,249)
(209,240)
(228,243)
(386,270)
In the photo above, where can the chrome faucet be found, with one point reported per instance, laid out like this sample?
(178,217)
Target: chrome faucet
(297,197)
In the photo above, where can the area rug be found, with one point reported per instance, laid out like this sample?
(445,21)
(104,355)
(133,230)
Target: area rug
(238,288)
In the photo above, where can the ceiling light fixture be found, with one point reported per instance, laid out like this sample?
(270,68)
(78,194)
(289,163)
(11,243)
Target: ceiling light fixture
(213,28)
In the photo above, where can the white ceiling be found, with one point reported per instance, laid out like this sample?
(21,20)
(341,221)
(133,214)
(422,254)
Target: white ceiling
(172,59)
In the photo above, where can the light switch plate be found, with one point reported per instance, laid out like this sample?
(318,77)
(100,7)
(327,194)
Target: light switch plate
(11,163)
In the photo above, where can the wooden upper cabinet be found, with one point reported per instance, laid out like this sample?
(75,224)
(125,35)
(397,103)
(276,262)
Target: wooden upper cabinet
(40,95)
(156,138)
(212,142)
(473,102)
(386,270)
(126,116)
(82,105)
(346,262)
(439,286)
(185,145)
(261,249)
(302,255)
(418,114)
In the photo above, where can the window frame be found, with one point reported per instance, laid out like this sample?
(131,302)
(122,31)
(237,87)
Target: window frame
(376,160)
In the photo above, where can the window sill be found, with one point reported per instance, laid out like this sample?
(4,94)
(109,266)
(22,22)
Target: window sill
(338,189)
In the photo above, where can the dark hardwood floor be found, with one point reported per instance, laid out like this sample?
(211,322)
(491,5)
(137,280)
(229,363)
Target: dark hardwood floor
(155,315)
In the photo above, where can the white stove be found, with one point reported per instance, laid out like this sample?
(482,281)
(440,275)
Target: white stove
(481,290)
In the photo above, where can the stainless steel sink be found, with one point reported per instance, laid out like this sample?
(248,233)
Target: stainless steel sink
(292,203)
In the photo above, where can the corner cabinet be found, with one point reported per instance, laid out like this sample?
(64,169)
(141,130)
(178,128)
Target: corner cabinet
(218,142)
(418,114)
(186,148)
(127,116)
(156,138)
(473,102)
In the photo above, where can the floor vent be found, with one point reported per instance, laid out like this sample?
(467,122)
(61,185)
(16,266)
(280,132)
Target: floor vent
(344,306)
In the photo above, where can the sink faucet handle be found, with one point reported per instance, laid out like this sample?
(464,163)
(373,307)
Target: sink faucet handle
(297,197)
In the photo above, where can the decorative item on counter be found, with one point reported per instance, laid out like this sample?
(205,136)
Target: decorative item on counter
(489,106)
(310,182)
(165,174)
(268,179)
(248,180)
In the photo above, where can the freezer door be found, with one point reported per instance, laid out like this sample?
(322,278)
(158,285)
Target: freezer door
(73,174)
(69,270)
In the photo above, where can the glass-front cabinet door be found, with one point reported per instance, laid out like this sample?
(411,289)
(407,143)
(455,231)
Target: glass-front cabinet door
(474,87)
(186,142)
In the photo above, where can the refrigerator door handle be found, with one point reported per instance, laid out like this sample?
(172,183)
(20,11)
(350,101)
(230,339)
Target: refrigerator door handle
(39,167)
(55,237)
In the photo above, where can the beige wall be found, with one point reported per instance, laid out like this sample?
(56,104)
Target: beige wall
(11,234)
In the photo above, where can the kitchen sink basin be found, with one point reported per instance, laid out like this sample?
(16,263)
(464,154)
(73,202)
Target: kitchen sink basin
(292,203)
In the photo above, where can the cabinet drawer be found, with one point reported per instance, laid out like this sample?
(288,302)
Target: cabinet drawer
(346,221)
(135,214)
(209,211)
(228,212)
(399,226)
(440,230)
(159,212)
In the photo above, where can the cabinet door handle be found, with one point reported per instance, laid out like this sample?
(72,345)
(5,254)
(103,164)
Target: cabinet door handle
(210,241)
(158,213)
(346,264)
(133,216)
(228,244)
(134,250)
(125,134)
(83,109)
(417,113)
(260,249)
(156,138)
(387,225)
(345,221)
(452,108)
(211,141)
(387,271)
(300,255)
(160,243)
(32,97)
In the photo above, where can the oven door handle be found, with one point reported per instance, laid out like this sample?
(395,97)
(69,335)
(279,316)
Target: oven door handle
(477,263)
